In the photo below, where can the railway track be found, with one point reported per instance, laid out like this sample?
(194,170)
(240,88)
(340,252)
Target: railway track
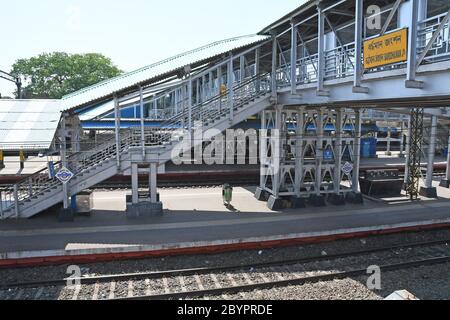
(242,279)
(200,179)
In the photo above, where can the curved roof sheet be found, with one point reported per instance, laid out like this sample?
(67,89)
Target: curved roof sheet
(107,88)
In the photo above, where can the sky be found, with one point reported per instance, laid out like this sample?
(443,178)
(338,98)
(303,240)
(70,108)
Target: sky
(133,33)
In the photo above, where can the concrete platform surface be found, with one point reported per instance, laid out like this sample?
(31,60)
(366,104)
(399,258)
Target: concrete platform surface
(197,217)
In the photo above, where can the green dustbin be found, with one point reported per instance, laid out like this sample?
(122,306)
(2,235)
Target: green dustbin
(227,193)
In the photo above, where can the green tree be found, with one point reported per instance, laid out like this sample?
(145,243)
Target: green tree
(53,75)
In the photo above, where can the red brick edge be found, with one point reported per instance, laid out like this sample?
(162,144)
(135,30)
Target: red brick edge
(213,249)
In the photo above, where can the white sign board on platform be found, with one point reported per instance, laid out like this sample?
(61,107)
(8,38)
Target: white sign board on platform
(64,175)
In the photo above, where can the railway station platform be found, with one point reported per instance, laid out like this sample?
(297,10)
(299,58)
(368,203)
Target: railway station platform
(196,221)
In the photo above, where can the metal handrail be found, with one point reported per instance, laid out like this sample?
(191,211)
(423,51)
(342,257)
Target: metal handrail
(207,112)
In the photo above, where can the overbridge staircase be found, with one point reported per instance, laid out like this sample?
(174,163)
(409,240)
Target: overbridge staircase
(39,191)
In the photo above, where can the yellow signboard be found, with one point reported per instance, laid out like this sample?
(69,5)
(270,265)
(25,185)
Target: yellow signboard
(388,49)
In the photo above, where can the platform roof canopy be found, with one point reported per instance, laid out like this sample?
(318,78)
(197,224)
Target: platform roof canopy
(28,125)
(171,67)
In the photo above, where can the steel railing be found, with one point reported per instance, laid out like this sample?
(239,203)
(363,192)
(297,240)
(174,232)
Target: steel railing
(205,113)
(440,48)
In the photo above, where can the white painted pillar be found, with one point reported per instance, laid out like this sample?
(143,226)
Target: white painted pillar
(135,183)
(176,101)
(63,161)
(274,68)
(319,150)
(257,68)
(141,105)
(219,87)
(117,129)
(389,141)
(357,152)
(231,88)
(155,108)
(219,79)
(338,151)
(190,107)
(242,68)
(321,50)
(293,57)
(211,85)
(153,182)
(431,152)
(359,17)
(412,44)
(263,150)
(276,151)
(299,161)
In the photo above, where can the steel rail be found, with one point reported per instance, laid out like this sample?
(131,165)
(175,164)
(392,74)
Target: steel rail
(206,270)
(289,282)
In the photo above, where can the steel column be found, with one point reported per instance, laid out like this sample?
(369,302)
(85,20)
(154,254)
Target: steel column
(257,68)
(299,161)
(135,183)
(263,150)
(241,68)
(402,138)
(415,153)
(359,19)
(211,85)
(117,129)
(153,183)
(389,141)
(63,161)
(319,150)
(412,44)
(407,152)
(274,69)
(219,79)
(431,152)
(176,101)
(190,107)
(294,58)
(276,137)
(357,152)
(141,105)
(338,150)
(321,50)
(231,88)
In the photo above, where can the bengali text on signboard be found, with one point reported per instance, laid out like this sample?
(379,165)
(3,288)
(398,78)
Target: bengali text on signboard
(388,49)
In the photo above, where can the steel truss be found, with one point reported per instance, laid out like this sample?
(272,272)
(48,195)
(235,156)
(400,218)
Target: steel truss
(305,152)
(415,153)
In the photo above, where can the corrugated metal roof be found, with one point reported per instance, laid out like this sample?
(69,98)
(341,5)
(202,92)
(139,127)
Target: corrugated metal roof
(304,4)
(28,124)
(107,88)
